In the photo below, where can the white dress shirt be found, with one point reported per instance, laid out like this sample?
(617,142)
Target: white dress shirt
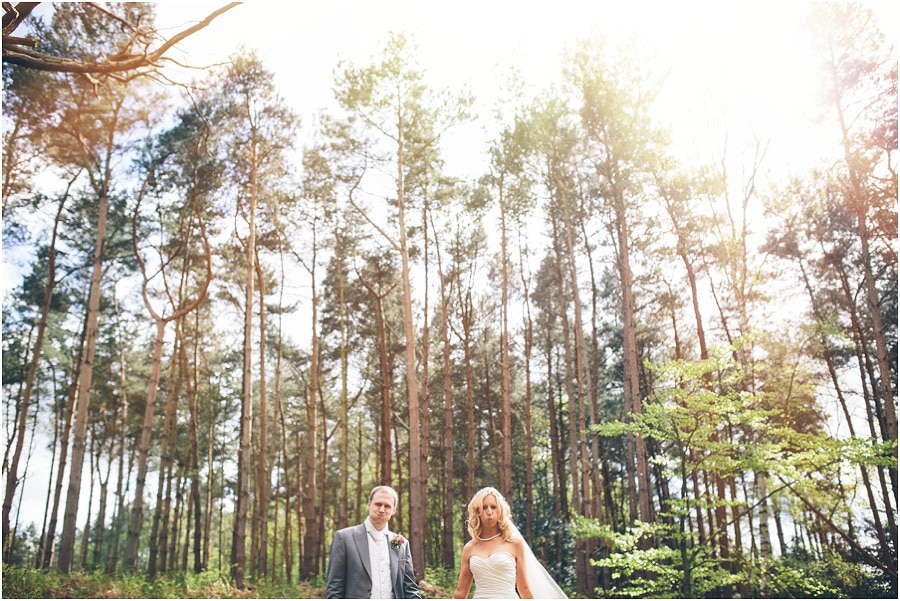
(379,562)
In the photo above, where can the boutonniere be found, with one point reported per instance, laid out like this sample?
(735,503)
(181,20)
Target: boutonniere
(397,540)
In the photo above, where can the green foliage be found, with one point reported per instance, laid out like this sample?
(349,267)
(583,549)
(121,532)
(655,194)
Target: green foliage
(801,577)
(793,580)
(29,583)
(641,565)
(702,420)
(440,582)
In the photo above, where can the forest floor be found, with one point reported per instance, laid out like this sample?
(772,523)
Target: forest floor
(28,583)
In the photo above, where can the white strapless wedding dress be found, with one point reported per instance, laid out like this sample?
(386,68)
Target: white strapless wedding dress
(495,576)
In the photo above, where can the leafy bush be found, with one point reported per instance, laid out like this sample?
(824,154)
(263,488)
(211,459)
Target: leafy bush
(439,582)
(656,570)
(830,577)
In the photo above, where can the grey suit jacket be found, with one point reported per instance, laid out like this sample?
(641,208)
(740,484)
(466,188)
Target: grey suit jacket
(349,571)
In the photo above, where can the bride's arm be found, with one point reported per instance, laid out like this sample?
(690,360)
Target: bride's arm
(521,574)
(465,574)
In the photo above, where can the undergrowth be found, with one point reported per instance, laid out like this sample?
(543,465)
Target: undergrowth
(30,583)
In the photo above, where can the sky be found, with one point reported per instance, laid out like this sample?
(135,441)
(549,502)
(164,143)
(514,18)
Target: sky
(745,62)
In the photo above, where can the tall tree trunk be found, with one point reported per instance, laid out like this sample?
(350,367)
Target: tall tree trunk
(417,494)
(584,384)
(192,387)
(289,491)
(835,380)
(447,543)
(765,540)
(573,395)
(385,455)
(242,505)
(136,518)
(859,199)
(43,542)
(505,384)
(86,531)
(100,523)
(630,358)
(287,539)
(264,475)
(112,557)
(308,513)
(528,325)
(466,308)
(560,495)
(12,473)
(424,412)
(85,373)
(207,520)
(173,524)
(301,501)
(313,526)
(323,490)
(343,510)
(158,554)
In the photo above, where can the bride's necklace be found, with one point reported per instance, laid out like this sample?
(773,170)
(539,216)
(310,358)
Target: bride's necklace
(490,537)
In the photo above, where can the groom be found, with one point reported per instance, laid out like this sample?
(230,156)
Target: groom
(369,561)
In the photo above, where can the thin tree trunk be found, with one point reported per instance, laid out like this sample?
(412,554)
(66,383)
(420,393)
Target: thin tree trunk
(100,523)
(385,458)
(529,429)
(287,540)
(765,540)
(423,415)
(343,511)
(859,198)
(264,475)
(323,490)
(85,373)
(289,492)
(43,542)
(447,543)
(86,531)
(835,379)
(159,528)
(210,468)
(192,387)
(12,473)
(313,526)
(417,482)
(632,388)
(575,407)
(505,384)
(309,485)
(242,506)
(112,557)
(136,517)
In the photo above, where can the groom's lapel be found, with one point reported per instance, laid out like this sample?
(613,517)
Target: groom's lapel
(395,559)
(361,538)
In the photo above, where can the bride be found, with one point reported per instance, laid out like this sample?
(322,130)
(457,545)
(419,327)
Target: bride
(497,558)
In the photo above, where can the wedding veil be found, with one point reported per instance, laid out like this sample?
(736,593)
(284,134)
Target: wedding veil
(542,584)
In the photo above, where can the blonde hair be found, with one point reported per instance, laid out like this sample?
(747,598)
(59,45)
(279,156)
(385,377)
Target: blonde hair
(474,522)
(388,490)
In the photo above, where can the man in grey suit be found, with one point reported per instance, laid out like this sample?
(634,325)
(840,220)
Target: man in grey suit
(368,561)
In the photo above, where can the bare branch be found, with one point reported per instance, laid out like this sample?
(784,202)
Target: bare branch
(18,55)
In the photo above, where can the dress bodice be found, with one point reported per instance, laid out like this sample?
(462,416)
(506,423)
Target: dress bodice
(495,576)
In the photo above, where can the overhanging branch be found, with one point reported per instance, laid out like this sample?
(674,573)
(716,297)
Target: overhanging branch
(16,52)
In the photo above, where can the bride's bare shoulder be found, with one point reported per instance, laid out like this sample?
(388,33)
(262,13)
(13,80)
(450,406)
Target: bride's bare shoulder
(517,542)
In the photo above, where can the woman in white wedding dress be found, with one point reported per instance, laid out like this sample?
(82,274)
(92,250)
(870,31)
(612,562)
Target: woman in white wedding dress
(497,558)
